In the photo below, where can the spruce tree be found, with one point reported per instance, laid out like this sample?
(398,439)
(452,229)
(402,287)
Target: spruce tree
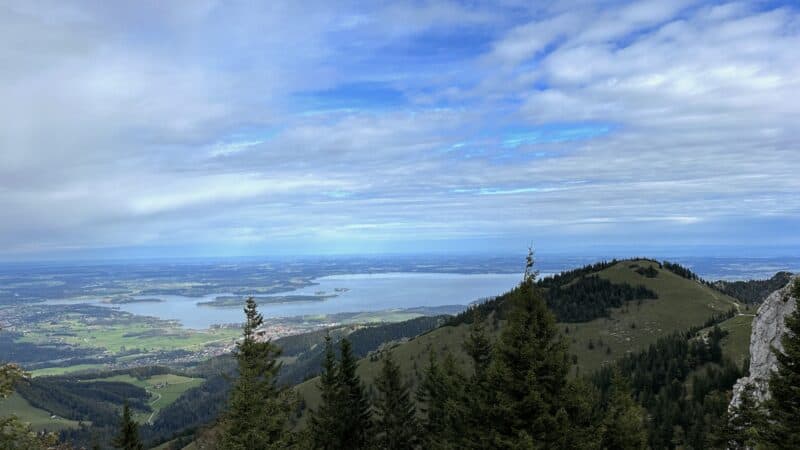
(325,424)
(475,399)
(258,410)
(396,422)
(742,423)
(528,374)
(355,416)
(128,436)
(433,394)
(478,346)
(624,423)
(783,407)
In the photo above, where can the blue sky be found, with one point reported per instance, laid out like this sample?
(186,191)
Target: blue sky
(238,128)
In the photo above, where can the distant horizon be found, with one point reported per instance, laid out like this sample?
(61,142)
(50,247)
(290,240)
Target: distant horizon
(596,254)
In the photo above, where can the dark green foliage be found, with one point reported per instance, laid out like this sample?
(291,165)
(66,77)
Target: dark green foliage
(195,408)
(258,411)
(754,291)
(624,424)
(324,425)
(518,395)
(494,307)
(476,394)
(355,416)
(479,348)
(528,376)
(344,419)
(783,407)
(396,424)
(128,436)
(658,377)
(500,304)
(590,297)
(363,341)
(574,296)
(680,270)
(742,424)
(91,401)
(440,395)
(649,271)
(566,277)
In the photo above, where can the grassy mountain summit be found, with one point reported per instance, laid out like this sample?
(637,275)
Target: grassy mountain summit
(670,303)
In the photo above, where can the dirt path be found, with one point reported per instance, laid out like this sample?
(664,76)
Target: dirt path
(153,414)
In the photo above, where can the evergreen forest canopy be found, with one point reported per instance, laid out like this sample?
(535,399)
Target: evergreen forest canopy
(517,391)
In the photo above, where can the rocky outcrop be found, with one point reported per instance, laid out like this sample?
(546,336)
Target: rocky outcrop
(768,329)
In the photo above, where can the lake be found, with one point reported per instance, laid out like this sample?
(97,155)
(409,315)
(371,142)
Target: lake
(364,292)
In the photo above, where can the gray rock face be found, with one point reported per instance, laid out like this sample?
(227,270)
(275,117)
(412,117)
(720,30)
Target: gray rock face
(768,329)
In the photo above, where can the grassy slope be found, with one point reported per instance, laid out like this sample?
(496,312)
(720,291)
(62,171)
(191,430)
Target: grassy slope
(681,304)
(38,418)
(173,386)
(736,345)
(50,371)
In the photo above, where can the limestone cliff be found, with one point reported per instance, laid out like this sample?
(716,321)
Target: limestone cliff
(768,328)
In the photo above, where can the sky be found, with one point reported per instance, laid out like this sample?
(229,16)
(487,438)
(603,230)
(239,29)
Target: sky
(211,128)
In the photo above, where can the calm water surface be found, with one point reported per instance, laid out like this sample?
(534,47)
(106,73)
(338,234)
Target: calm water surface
(365,292)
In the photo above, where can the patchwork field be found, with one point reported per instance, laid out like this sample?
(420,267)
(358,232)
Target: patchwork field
(126,337)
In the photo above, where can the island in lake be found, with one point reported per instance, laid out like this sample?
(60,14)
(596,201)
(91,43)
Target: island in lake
(235,301)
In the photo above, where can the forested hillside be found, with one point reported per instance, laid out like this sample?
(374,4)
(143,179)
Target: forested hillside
(754,291)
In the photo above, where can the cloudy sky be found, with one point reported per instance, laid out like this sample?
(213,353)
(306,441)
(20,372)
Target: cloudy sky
(233,128)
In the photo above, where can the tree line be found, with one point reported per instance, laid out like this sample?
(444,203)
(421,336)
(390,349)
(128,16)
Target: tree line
(590,297)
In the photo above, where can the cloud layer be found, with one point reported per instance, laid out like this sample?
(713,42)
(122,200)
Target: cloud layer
(232,128)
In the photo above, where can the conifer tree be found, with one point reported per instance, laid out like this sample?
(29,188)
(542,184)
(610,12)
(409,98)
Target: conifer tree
(783,407)
(325,424)
(355,416)
(429,397)
(396,422)
(440,397)
(478,346)
(128,436)
(624,423)
(742,423)
(475,397)
(528,374)
(258,410)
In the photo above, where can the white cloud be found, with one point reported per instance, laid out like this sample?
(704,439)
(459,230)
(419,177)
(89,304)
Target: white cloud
(134,124)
